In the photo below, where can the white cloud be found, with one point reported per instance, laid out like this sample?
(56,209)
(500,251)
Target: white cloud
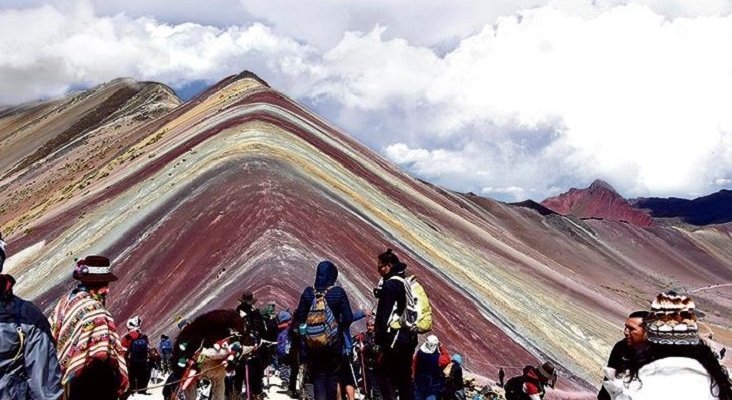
(520,95)
(514,191)
(78,48)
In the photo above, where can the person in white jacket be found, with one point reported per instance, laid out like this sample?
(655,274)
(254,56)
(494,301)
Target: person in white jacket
(676,363)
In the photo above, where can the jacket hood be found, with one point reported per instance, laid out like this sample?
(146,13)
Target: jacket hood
(325,275)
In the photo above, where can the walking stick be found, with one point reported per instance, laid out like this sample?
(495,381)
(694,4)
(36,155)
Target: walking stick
(246,376)
(363,368)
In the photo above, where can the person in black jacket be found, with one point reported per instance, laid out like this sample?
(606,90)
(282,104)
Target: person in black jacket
(325,364)
(394,345)
(625,349)
(29,368)
(254,323)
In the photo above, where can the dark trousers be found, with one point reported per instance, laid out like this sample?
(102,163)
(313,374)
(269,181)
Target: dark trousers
(325,386)
(98,381)
(394,374)
(139,375)
(256,374)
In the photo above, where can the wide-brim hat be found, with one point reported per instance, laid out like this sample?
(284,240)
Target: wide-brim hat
(94,269)
(547,371)
(247,297)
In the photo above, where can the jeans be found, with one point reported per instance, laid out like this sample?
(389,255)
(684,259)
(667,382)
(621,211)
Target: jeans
(325,385)
(421,394)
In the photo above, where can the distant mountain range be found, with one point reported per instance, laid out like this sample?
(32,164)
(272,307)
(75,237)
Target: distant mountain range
(600,200)
(715,208)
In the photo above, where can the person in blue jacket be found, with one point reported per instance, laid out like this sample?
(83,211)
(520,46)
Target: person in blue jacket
(325,364)
(28,363)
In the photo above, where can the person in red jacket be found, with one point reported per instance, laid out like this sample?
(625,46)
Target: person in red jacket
(137,346)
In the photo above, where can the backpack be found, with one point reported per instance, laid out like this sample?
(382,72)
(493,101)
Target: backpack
(138,349)
(321,329)
(514,388)
(283,344)
(166,346)
(417,315)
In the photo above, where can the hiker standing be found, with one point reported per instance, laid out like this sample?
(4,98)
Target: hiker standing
(394,346)
(501,376)
(29,367)
(322,315)
(252,363)
(365,342)
(429,362)
(165,349)
(90,351)
(624,350)
(136,345)
(676,363)
(283,358)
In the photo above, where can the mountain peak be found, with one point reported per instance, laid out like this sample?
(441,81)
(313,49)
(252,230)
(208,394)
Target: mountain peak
(599,200)
(599,184)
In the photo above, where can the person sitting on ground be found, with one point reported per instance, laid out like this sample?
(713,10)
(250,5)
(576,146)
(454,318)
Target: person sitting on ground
(532,384)
(136,345)
(29,367)
(676,363)
(428,365)
(90,351)
(625,349)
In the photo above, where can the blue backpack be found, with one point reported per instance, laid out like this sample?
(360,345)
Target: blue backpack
(166,346)
(138,350)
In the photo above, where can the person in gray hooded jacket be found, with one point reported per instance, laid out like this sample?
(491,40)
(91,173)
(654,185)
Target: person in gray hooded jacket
(28,365)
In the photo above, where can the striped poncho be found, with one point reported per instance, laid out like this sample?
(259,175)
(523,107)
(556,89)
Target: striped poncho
(84,331)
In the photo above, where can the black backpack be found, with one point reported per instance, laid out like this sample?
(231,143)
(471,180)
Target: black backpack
(514,388)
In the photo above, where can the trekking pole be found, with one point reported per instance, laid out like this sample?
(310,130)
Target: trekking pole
(363,369)
(246,379)
(353,374)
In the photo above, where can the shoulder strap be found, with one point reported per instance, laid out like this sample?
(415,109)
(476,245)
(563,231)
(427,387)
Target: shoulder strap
(19,329)
(18,305)
(324,292)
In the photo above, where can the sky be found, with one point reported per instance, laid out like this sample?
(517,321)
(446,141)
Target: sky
(507,99)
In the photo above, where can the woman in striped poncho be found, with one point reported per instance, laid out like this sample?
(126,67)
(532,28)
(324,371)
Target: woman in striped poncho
(89,349)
